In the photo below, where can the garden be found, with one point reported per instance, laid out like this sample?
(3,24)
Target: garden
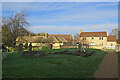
(16,65)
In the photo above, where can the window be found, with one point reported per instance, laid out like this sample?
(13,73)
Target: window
(53,43)
(100,38)
(84,38)
(111,44)
(92,37)
(101,44)
(92,43)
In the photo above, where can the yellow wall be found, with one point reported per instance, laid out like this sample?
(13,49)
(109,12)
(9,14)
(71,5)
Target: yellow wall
(109,45)
(96,40)
(36,44)
(96,46)
(56,45)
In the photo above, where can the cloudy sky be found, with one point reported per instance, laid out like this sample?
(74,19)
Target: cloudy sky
(66,17)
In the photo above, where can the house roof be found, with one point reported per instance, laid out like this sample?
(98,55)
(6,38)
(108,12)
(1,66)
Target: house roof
(30,39)
(35,39)
(52,39)
(111,38)
(60,39)
(68,37)
(93,34)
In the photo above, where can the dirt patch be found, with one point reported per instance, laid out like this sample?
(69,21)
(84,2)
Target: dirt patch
(77,53)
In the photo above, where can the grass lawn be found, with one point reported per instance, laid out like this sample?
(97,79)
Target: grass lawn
(119,58)
(51,66)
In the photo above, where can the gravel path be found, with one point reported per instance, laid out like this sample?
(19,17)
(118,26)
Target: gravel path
(109,66)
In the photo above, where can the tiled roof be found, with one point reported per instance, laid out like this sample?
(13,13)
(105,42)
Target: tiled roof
(111,38)
(93,34)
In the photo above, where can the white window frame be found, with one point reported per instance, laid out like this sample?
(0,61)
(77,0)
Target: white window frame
(92,43)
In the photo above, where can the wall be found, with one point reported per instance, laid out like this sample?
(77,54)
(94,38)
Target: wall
(95,40)
(36,47)
(96,46)
(56,47)
(33,44)
(109,43)
(69,47)
(57,44)
(111,47)
(36,44)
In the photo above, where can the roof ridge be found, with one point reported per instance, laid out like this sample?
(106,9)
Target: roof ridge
(59,34)
(102,31)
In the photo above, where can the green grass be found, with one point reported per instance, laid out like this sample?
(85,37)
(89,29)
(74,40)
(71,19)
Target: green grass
(118,57)
(110,49)
(51,66)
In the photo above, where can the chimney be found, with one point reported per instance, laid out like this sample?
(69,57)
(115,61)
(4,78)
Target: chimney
(80,30)
(107,31)
(46,35)
(71,36)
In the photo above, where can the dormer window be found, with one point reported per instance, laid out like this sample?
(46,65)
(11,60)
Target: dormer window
(100,38)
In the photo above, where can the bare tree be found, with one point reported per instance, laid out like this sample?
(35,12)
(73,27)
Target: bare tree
(114,32)
(77,36)
(14,26)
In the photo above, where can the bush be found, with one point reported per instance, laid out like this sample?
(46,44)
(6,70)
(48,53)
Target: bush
(45,47)
(10,49)
(4,49)
(26,45)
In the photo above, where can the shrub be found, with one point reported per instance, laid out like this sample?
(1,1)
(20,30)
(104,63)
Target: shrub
(45,47)
(10,48)
(4,49)
(26,45)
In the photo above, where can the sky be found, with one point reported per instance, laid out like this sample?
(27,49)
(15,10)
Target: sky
(59,0)
(66,17)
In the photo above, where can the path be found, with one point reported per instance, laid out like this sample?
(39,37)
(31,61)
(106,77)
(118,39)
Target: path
(109,66)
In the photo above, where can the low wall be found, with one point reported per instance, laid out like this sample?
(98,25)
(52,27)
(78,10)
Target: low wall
(69,47)
(56,47)
(36,47)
